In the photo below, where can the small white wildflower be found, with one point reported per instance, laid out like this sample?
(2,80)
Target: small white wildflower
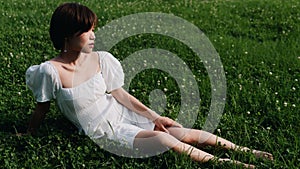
(293,88)
(248,112)
(285,104)
(219,130)
(268,128)
(270,73)
(276,93)
(293,105)
(165,89)
(133,90)
(277,101)
(19,93)
(246,52)
(240,76)
(11,54)
(296,80)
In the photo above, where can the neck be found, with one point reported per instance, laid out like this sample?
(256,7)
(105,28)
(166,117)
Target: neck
(70,57)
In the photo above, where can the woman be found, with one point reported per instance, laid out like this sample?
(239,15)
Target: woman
(88,89)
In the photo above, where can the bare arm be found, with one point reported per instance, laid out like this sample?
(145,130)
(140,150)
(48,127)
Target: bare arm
(135,105)
(37,117)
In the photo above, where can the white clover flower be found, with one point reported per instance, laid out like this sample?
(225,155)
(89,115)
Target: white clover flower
(219,130)
(240,76)
(270,73)
(293,105)
(285,104)
(246,52)
(293,88)
(248,112)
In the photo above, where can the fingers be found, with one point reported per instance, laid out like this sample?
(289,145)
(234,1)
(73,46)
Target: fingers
(165,130)
(176,124)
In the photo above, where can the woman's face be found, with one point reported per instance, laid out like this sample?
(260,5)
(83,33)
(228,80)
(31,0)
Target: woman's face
(83,43)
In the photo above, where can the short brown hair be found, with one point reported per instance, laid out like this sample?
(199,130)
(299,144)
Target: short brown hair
(70,19)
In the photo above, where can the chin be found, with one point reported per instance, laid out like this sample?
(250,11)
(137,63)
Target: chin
(87,51)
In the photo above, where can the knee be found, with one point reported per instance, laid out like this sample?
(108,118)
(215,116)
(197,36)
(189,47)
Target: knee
(165,139)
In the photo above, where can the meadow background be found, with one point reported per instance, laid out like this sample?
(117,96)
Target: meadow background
(257,40)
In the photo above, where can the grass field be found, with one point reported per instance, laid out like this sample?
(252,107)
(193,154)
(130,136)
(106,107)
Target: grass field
(257,40)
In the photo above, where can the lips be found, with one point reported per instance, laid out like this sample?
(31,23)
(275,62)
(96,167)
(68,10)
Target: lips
(91,45)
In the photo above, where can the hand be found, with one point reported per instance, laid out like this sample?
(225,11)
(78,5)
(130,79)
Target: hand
(27,133)
(22,134)
(162,123)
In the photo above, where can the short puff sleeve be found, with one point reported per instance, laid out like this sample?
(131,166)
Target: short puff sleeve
(42,81)
(111,70)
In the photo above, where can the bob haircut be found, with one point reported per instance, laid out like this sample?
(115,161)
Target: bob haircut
(69,20)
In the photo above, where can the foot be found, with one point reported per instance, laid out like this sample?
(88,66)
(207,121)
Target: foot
(258,153)
(262,154)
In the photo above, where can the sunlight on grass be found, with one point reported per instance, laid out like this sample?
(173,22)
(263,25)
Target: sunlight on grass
(258,42)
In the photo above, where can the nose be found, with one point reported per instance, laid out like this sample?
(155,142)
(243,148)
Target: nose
(92,36)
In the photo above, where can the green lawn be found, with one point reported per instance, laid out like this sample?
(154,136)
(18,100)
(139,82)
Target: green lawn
(258,43)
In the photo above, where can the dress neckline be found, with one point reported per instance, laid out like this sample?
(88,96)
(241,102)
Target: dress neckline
(77,86)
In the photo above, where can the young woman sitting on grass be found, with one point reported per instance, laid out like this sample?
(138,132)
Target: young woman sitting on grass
(87,87)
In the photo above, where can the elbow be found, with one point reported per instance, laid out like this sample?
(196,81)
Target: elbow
(43,107)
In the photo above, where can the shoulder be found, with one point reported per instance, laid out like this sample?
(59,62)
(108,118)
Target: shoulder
(107,57)
(45,68)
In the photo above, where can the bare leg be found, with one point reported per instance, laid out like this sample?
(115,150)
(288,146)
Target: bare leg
(191,136)
(157,141)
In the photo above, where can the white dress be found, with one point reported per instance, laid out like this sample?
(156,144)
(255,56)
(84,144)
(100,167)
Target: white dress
(88,105)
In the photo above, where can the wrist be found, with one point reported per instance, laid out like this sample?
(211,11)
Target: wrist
(153,115)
